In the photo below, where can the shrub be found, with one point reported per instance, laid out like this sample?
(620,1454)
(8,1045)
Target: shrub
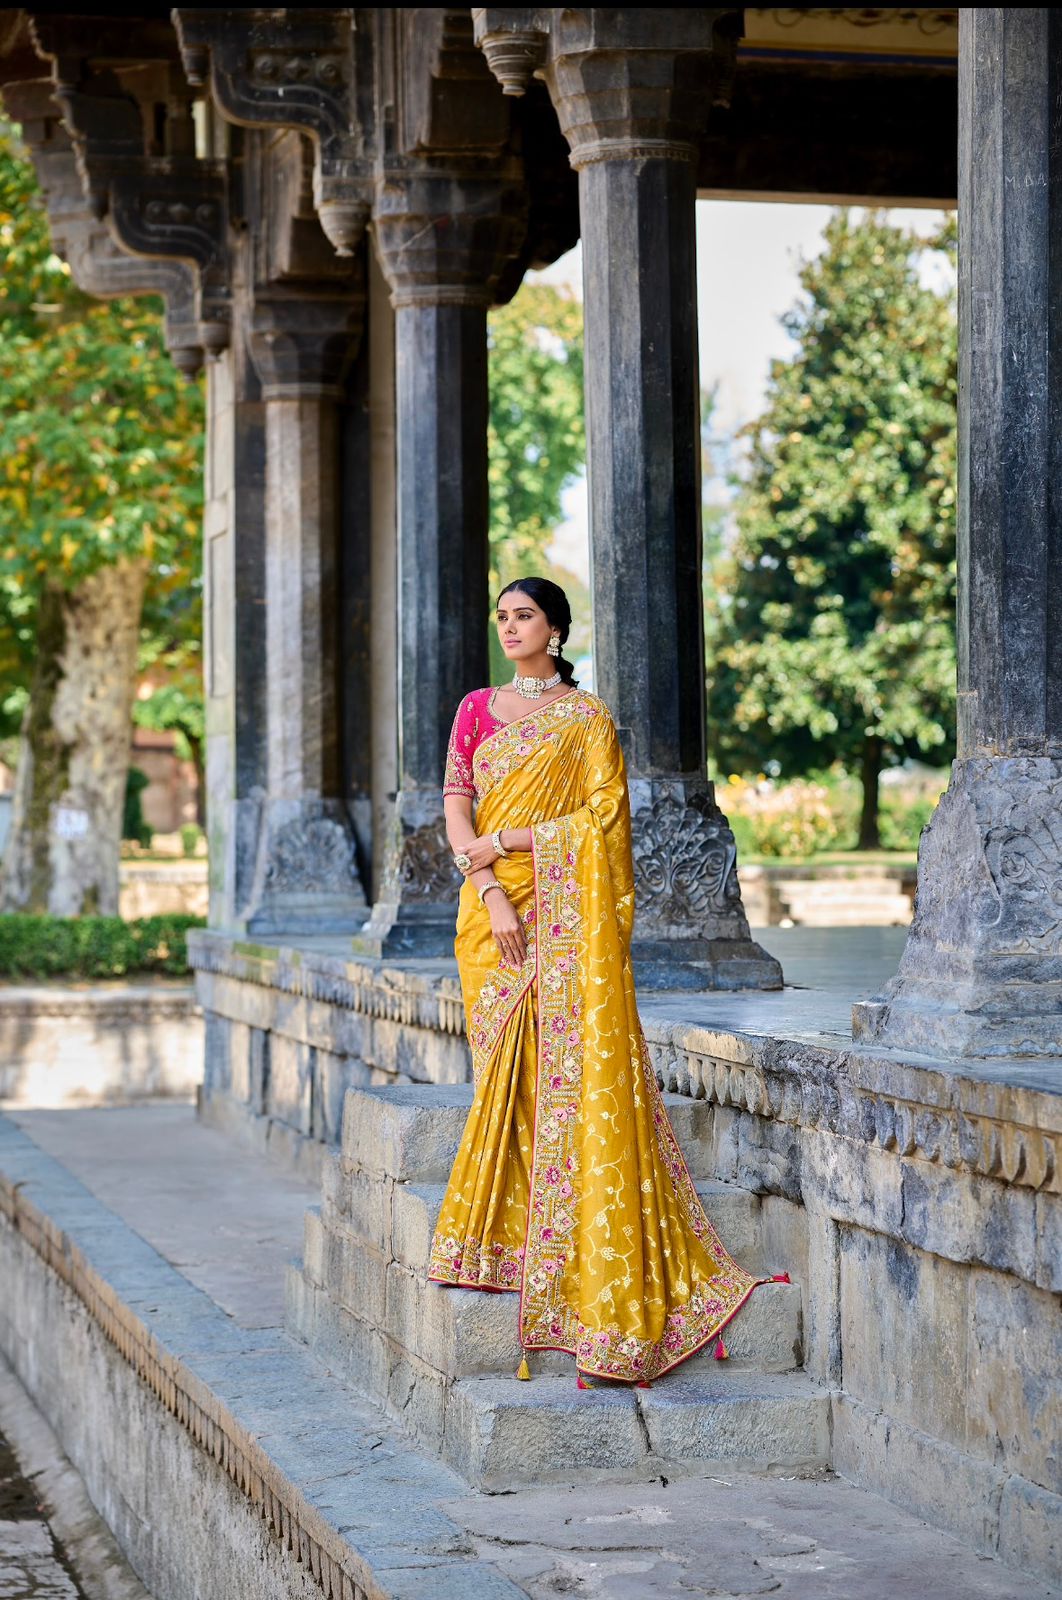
(134,825)
(93,947)
(799,818)
(902,819)
(191,833)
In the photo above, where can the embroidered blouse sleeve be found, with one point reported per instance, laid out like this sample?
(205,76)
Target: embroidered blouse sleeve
(462,746)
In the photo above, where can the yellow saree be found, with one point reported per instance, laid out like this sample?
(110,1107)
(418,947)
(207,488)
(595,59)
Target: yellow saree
(569,1187)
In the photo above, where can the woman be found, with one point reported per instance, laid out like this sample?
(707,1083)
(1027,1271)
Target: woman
(568,1187)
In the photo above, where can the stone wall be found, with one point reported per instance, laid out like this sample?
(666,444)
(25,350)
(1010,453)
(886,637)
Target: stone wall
(289,1030)
(99,1046)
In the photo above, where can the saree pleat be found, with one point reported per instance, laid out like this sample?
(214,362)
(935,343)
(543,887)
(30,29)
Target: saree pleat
(569,1186)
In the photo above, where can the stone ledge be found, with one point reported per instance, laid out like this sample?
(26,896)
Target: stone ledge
(289,1437)
(419,994)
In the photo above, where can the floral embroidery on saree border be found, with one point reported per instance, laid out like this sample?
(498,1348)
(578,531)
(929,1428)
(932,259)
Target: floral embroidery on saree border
(547,1320)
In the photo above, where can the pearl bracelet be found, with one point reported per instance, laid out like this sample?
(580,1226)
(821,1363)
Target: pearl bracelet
(499,848)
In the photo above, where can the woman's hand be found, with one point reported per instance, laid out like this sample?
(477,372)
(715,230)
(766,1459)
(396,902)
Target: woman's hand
(506,927)
(481,853)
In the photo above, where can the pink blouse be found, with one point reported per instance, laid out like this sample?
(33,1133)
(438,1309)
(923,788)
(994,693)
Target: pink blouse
(474,722)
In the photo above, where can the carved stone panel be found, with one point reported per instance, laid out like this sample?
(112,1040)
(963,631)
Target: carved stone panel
(981,972)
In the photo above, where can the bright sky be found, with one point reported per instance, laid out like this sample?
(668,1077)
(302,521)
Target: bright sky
(748,258)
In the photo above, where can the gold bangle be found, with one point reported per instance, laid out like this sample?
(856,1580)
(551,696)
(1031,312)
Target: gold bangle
(499,848)
(485,889)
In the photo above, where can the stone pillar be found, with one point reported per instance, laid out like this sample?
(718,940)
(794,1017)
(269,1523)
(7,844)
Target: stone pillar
(306,879)
(981,973)
(632,90)
(442,239)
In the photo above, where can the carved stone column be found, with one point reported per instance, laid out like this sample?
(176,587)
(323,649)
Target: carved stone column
(443,237)
(981,973)
(632,90)
(306,875)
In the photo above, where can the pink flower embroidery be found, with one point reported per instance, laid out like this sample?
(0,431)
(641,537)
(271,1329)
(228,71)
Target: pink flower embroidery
(559,1024)
(547,1234)
(555,929)
(564,964)
(556,1082)
(509,1271)
(556,874)
(571,858)
(528,730)
(570,887)
(552,1174)
(566,1190)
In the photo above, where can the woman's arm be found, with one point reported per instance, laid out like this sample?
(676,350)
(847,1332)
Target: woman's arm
(504,923)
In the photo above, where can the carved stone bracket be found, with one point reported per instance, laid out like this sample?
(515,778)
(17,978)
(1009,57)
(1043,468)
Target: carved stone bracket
(981,973)
(130,123)
(98,265)
(295,69)
(690,928)
(445,236)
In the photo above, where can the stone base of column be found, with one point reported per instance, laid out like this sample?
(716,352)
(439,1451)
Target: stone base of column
(690,927)
(416,913)
(981,972)
(306,875)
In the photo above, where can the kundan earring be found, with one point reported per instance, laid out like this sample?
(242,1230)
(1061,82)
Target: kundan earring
(553,648)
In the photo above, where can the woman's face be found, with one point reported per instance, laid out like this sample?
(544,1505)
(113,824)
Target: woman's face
(523,627)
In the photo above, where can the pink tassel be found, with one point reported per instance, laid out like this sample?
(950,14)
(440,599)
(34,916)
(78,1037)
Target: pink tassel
(721,1353)
(781,1277)
(643,1383)
(582,1383)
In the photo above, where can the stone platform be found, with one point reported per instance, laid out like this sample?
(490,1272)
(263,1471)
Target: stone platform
(143,1258)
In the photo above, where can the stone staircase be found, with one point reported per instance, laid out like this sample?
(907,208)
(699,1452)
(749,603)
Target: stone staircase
(444,1360)
(823,901)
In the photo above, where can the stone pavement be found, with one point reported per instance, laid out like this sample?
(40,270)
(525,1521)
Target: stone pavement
(229,1221)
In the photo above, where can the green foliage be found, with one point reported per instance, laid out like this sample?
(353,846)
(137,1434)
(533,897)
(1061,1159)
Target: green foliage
(191,833)
(133,824)
(833,609)
(806,817)
(536,441)
(93,947)
(100,441)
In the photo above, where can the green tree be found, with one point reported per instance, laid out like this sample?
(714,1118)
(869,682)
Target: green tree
(834,607)
(536,439)
(100,491)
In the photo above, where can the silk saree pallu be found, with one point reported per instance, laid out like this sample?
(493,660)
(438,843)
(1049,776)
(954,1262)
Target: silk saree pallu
(569,1187)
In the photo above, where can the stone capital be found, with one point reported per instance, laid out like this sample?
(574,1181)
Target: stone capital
(302,343)
(292,68)
(627,84)
(445,233)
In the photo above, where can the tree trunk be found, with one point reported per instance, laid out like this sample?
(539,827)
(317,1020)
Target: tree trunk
(66,824)
(869,836)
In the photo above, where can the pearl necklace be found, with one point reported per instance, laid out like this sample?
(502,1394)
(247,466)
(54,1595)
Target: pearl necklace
(535,688)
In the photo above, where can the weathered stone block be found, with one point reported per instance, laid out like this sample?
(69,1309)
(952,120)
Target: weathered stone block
(707,1135)
(357,1277)
(501,1434)
(335,1074)
(240,1061)
(417,1395)
(966,1218)
(1013,1396)
(315,1246)
(300,1304)
(1030,1528)
(367,1205)
(414,1212)
(855,1182)
(290,1080)
(412,1134)
(933,1479)
(904,1332)
(335,1191)
(759,1420)
(404,1309)
(1049,1241)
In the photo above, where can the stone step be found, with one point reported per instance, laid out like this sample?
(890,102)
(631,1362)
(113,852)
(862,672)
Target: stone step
(411,1133)
(734,1212)
(460,1332)
(502,1434)
(470,1332)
